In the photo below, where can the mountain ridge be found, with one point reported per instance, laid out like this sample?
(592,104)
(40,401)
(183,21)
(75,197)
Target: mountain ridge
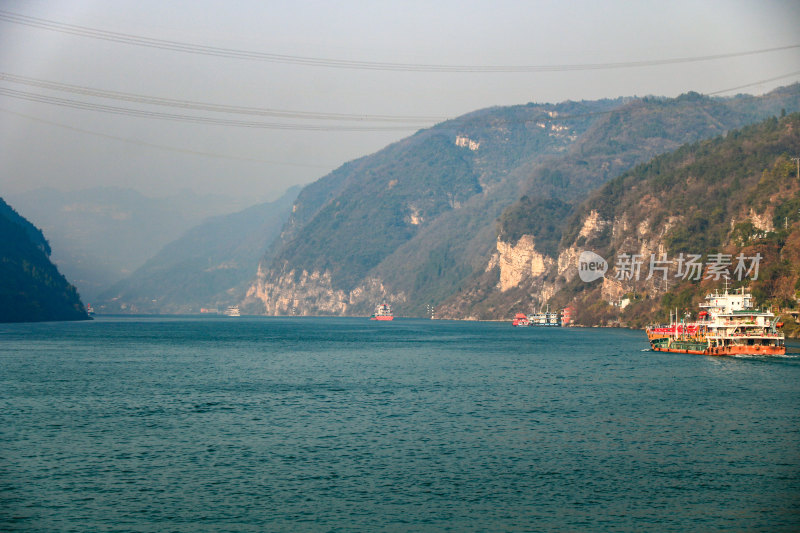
(392,197)
(733,201)
(415,224)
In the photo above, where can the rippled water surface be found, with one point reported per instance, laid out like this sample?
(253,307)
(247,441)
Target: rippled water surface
(314,424)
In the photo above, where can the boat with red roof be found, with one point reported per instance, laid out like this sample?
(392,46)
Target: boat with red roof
(520,319)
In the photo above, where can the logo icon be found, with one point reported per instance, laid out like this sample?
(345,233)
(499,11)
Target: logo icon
(591,266)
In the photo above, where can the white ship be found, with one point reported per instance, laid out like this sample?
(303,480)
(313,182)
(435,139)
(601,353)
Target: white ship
(233,310)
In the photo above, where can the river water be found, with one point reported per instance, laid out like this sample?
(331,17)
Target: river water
(342,424)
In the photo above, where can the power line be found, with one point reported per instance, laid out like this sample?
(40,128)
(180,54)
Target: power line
(217,121)
(205,106)
(161,146)
(796,73)
(177,46)
(82,105)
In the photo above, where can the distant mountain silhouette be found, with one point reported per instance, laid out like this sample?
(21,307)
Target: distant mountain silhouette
(101,235)
(209,266)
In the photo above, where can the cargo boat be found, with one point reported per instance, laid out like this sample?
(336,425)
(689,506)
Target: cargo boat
(383,312)
(727,325)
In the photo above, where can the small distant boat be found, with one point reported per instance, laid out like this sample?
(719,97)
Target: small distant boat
(233,310)
(542,318)
(545,318)
(89,310)
(383,312)
(520,320)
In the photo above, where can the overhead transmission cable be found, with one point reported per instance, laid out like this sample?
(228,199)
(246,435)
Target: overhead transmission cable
(776,78)
(219,121)
(218,155)
(89,106)
(163,44)
(205,106)
(161,146)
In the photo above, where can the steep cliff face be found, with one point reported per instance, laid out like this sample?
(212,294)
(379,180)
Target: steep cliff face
(515,276)
(637,239)
(518,262)
(313,293)
(293,291)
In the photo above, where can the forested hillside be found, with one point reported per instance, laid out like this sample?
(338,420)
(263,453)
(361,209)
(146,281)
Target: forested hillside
(31,288)
(732,201)
(414,217)
(416,224)
(529,231)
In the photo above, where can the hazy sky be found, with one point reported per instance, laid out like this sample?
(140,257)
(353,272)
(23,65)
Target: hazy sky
(371,70)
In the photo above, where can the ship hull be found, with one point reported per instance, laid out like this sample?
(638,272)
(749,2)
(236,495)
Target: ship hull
(720,350)
(382,318)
